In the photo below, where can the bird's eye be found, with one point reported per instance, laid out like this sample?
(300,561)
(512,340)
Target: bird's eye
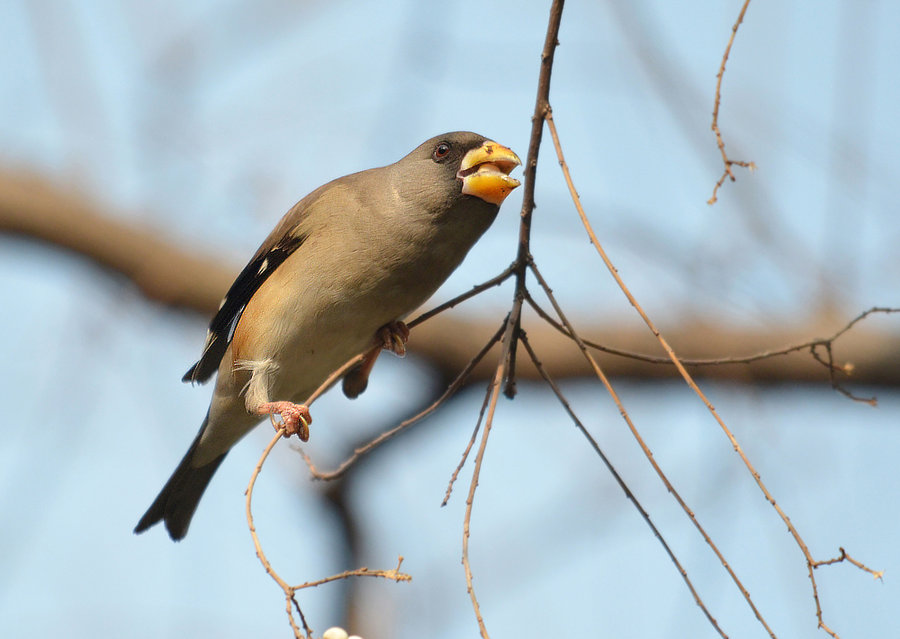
(441,151)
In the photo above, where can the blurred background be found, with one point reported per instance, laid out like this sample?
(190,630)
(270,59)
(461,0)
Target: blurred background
(194,126)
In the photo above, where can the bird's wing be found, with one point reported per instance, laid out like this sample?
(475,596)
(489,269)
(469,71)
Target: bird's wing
(284,240)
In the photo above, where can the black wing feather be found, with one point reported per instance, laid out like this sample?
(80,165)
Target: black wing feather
(221,328)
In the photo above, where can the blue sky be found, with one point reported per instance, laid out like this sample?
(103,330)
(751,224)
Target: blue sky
(208,120)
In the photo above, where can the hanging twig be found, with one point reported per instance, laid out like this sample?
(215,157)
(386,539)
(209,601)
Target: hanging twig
(630,495)
(646,449)
(689,380)
(728,162)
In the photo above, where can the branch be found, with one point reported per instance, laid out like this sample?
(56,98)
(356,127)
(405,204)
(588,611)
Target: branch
(728,162)
(290,592)
(604,379)
(505,371)
(688,379)
(367,448)
(393,574)
(541,107)
(38,209)
(621,482)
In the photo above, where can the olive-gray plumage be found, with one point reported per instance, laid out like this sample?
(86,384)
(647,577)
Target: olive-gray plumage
(351,257)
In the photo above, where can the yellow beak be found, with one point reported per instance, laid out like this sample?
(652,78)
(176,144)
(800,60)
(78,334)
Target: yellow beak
(485,172)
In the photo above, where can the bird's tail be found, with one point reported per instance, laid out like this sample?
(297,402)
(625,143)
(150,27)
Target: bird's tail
(178,499)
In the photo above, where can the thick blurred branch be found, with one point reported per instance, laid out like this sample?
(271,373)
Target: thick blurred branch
(38,209)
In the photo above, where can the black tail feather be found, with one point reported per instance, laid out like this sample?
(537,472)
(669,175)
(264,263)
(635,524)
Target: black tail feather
(178,499)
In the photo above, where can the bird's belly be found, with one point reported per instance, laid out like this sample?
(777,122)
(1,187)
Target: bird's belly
(305,361)
(317,331)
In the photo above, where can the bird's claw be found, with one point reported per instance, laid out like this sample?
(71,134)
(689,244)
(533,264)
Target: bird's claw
(295,418)
(393,338)
(390,337)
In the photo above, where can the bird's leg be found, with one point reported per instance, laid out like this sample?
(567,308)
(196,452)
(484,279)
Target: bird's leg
(357,378)
(390,337)
(295,417)
(393,337)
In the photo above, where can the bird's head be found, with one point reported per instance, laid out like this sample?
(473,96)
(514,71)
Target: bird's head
(462,164)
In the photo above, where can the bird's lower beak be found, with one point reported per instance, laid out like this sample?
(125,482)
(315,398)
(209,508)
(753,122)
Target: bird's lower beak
(485,172)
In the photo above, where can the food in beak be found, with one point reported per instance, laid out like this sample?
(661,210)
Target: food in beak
(485,172)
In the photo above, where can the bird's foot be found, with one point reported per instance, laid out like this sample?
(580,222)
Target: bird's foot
(390,337)
(393,338)
(295,418)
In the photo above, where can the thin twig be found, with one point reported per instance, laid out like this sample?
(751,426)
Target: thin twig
(495,385)
(365,449)
(598,371)
(687,377)
(833,369)
(631,497)
(468,449)
(506,367)
(689,380)
(333,378)
(877,574)
(288,590)
(494,281)
(393,574)
(812,565)
(728,162)
(717,361)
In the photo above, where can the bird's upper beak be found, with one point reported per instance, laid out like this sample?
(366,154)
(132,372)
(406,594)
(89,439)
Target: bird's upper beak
(485,172)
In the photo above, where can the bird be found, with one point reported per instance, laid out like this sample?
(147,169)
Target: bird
(334,279)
